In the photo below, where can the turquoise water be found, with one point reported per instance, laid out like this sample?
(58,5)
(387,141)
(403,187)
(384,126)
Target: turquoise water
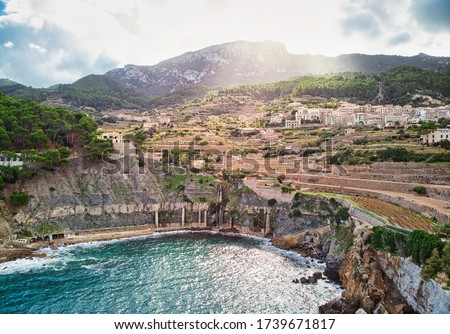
(176,273)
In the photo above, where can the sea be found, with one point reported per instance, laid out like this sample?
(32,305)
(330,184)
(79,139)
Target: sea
(165,273)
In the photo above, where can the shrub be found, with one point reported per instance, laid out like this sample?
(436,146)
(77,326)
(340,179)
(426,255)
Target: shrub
(382,239)
(420,245)
(297,213)
(421,190)
(272,202)
(281,178)
(286,189)
(341,215)
(19,198)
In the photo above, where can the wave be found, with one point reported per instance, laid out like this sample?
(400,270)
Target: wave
(57,258)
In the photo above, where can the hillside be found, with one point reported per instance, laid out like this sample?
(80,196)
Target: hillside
(43,136)
(244,62)
(398,86)
(265,68)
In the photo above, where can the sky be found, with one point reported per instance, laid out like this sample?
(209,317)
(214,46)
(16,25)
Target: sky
(44,42)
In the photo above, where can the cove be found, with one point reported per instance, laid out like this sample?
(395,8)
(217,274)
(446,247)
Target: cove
(164,273)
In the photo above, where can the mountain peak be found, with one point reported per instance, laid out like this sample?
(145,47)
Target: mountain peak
(244,62)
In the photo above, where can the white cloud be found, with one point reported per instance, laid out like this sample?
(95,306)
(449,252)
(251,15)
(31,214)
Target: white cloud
(37,48)
(36,23)
(8,44)
(86,36)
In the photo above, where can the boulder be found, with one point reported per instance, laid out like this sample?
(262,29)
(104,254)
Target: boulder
(317,275)
(312,280)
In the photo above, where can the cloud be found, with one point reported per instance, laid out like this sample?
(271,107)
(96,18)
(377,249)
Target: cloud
(365,23)
(432,15)
(58,41)
(51,56)
(399,39)
(37,48)
(36,23)
(8,44)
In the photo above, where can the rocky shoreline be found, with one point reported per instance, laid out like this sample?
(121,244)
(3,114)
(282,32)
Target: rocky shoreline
(370,279)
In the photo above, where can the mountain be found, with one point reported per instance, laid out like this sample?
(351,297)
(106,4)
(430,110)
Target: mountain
(7,86)
(7,83)
(100,91)
(244,62)
(400,85)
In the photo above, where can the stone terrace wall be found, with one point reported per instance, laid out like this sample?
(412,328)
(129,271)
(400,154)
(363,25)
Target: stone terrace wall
(432,191)
(423,209)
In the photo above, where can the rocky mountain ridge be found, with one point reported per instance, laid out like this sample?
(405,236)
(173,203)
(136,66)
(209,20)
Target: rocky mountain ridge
(245,62)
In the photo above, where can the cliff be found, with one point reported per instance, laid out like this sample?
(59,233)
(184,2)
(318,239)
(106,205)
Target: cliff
(87,195)
(379,282)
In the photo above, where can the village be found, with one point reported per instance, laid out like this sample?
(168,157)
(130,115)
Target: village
(284,146)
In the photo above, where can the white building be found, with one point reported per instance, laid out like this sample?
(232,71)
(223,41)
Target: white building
(359,118)
(436,136)
(115,137)
(164,119)
(276,119)
(291,124)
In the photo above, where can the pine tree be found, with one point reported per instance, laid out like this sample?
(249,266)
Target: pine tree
(433,267)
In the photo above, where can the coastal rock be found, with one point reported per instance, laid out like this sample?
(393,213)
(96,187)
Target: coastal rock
(423,296)
(382,283)
(304,280)
(312,280)
(317,275)
(338,306)
(380,309)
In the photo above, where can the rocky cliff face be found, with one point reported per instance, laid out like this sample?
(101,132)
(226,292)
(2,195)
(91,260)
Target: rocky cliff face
(5,219)
(232,63)
(327,243)
(88,195)
(381,283)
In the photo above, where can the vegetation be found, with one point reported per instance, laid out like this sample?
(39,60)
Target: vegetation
(272,202)
(43,136)
(46,227)
(421,190)
(395,214)
(438,266)
(19,198)
(100,92)
(398,85)
(341,215)
(396,154)
(419,244)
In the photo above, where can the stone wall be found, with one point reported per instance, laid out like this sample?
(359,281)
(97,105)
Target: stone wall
(433,191)
(423,209)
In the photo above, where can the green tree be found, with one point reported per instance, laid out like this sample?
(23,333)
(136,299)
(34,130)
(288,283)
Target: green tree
(5,140)
(19,198)
(38,139)
(272,202)
(140,137)
(341,215)
(433,267)
(420,245)
(100,148)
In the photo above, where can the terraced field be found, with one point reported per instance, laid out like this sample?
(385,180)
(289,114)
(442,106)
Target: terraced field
(396,215)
